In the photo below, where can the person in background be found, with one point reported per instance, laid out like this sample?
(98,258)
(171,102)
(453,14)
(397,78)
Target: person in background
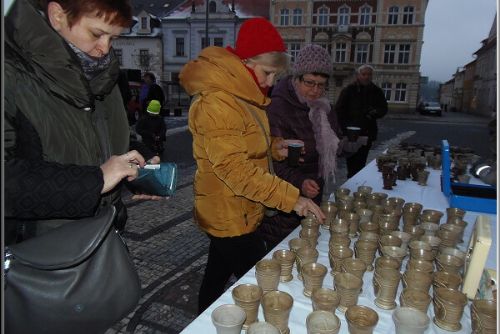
(151,127)
(150,90)
(360,104)
(66,135)
(299,109)
(231,140)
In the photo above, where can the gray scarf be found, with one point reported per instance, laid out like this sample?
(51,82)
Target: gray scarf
(91,66)
(327,141)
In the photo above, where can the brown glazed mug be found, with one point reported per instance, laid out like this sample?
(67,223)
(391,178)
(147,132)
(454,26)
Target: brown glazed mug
(415,298)
(484,316)
(248,296)
(361,319)
(349,287)
(277,306)
(449,306)
(325,299)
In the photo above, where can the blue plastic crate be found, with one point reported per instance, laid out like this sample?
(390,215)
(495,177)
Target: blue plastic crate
(465,196)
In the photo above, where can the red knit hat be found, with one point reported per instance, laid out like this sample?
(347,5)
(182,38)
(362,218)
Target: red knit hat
(257,36)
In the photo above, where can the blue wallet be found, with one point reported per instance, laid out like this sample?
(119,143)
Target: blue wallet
(159,179)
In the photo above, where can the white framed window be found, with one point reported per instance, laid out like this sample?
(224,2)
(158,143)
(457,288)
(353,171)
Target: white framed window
(179,47)
(340,52)
(144,57)
(119,55)
(408,15)
(219,41)
(365,16)
(362,53)
(404,54)
(325,45)
(389,53)
(293,49)
(297,17)
(400,93)
(323,16)
(343,16)
(387,88)
(393,15)
(144,23)
(284,16)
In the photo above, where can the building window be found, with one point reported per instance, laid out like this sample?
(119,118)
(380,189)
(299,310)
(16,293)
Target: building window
(362,53)
(294,49)
(387,88)
(404,54)
(340,52)
(144,57)
(297,17)
(343,16)
(323,17)
(365,16)
(389,53)
(408,15)
(218,41)
(119,55)
(212,7)
(144,23)
(400,94)
(204,42)
(393,15)
(284,17)
(179,47)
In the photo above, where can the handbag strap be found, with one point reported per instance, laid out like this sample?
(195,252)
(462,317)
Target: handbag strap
(261,125)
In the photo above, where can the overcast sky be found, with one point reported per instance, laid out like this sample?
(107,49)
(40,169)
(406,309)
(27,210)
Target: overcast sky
(453,31)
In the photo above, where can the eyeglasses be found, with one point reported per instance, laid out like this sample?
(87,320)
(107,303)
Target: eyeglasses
(312,84)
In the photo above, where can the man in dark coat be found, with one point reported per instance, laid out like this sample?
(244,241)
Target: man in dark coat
(150,91)
(152,128)
(360,104)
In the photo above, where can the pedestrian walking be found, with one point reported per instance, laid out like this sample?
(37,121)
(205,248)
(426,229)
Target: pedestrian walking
(151,127)
(231,141)
(360,104)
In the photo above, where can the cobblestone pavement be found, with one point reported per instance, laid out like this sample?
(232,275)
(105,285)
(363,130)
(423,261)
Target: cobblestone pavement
(170,251)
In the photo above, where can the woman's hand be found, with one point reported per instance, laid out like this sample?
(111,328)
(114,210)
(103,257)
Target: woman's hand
(310,188)
(119,167)
(154,160)
(282,146)
(305,205)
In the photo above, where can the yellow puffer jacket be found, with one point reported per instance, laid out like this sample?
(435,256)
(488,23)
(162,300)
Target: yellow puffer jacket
(232,183)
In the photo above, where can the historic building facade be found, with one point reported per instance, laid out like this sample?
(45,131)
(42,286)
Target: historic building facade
(386,34)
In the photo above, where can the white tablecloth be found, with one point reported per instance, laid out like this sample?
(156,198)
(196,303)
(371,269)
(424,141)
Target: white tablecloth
(430,196)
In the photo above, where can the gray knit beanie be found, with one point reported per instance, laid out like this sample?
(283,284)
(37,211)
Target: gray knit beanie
(312,58)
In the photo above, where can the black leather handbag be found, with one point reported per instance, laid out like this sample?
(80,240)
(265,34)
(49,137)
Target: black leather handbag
(77,278)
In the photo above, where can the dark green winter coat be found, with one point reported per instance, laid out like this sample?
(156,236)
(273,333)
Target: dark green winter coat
(59,126)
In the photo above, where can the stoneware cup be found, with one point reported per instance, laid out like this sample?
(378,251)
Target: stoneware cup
(405,238)
(385,287)
(445,279)
(420,265)
(330,211)
(365,250)
(484,316)
(410,321)
(417,280)
(247,296)
(361,319)
(313,275)
(415,298)
(337,254)
(305,255)
(297,243)
(448,308)
(228,319)
(354,266)
(267,272)
(349,287)
(262,328)
(325,299)
(322,322)
(286,258)
(277,306)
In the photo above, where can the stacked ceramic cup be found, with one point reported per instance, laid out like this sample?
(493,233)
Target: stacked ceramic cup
(330,211)
(305,255)
(337,254)
(267,272)
(484,316)
(277,306)
(248,297)
(286,258)
(348,287)
(449,306)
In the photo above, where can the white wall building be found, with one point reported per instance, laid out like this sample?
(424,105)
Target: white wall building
(141,47)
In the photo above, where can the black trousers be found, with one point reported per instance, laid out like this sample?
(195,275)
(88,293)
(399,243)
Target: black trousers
(227,256)
(357,161)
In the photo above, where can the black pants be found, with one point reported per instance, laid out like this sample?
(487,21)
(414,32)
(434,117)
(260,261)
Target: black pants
(357,161)
(227,256)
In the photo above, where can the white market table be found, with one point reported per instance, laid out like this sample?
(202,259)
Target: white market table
(429,196)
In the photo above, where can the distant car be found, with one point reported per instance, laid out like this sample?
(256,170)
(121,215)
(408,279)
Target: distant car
(430,108)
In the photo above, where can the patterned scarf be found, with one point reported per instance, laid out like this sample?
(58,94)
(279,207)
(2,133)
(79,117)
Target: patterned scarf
(327,141)
(91,66)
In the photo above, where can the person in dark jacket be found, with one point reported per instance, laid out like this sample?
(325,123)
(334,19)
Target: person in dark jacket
(150,90)
(66,135)
(152,128)
(299,109)
(360,104)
